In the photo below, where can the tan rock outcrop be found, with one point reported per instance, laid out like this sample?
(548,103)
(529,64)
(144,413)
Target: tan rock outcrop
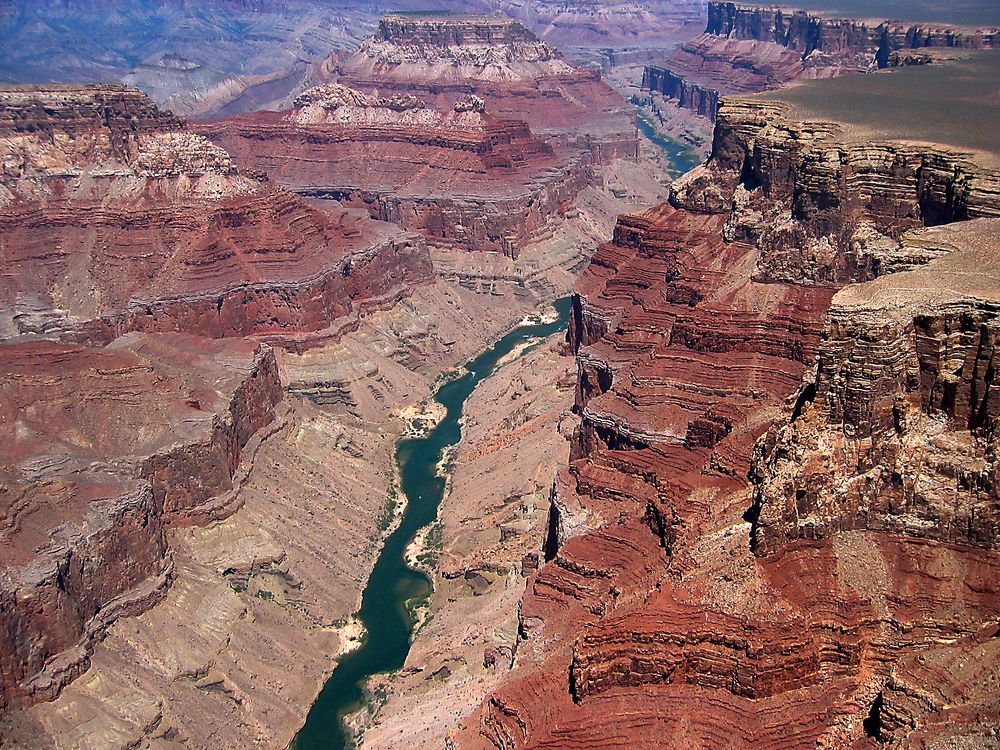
(895,431)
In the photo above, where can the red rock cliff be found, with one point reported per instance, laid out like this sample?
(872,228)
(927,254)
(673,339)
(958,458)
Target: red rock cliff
(460,176)
(117,218)
(652,624)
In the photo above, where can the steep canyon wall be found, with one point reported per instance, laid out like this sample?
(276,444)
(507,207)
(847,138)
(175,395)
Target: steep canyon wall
(711,578)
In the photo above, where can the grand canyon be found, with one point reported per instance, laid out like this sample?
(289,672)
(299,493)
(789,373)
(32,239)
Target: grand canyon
(499,375)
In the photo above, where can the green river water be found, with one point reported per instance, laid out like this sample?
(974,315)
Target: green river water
(682,157)
(394,587)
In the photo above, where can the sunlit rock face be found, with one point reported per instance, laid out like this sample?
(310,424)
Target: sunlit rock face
(462,177)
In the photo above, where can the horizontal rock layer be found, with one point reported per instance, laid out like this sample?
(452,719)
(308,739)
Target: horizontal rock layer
(461,177)
(895,431)
(445,30)
(517,80)
(157,230)
(822,206)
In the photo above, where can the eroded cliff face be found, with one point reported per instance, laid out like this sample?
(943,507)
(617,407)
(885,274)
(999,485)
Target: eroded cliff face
(103,448)
(652,624)
(462,177)
(824,207)
(116,218)
(895,431)
(465,128)
(747,48)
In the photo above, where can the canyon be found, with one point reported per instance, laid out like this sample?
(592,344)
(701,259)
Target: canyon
(747,500)
(163,550)
(779,494)
(194,58)
(211,59)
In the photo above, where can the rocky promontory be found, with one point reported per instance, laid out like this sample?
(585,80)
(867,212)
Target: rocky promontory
(895,430)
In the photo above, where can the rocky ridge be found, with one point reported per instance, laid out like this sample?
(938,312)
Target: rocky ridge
(652,623)
(460,176)
(895,430)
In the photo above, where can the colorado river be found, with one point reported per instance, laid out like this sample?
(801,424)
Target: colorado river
(682,157)
(386,605)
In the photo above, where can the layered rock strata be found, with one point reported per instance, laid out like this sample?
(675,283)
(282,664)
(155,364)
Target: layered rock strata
(260,603)
(440,58)
(515,430)
(652,623)
(749,48)
(825,205)
(103,448)
(461,177)
(117,218)
(895,430)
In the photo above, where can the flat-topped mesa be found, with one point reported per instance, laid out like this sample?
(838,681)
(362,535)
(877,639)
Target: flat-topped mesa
(437,58)
(752,48)
(448,169)
(171,235)
(896,430)
(101,449)
(809,32)
(823,204)
(451,29)
(485,47)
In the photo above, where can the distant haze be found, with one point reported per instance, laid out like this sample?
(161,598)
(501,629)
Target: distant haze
(960,12)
